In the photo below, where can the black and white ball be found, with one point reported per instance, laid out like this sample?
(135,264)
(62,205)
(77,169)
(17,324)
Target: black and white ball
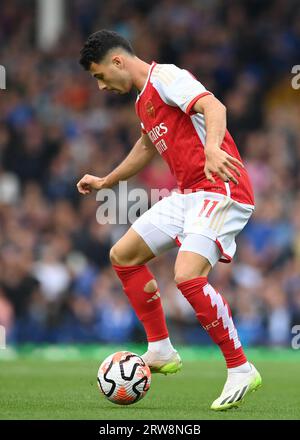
(124,378)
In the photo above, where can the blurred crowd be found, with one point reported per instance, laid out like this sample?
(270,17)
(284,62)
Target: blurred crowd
(56,281)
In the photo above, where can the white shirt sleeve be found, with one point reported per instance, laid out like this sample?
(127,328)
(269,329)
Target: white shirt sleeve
(177,87)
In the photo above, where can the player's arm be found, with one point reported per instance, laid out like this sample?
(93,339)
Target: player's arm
(140,155)
(217,160)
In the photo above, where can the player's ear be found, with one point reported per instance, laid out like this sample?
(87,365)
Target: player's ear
(118,61)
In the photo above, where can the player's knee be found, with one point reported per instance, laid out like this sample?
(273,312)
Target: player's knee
(186,270)
(180,277)
(121,256)
(117,257)
(186,275)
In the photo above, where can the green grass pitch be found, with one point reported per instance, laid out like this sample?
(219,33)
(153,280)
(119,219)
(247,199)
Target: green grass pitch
(43,387)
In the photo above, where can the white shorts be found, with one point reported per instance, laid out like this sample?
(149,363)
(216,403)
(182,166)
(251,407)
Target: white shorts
(202,222)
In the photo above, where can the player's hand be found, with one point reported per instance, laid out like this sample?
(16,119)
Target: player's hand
(221,163)
(89,182)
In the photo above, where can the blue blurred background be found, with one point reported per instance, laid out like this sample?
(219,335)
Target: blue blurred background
(56,282)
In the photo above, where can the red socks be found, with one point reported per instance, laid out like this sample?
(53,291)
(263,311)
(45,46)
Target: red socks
(214,315)
(147,305)
(211,309)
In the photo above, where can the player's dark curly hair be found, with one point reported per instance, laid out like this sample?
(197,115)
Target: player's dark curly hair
(98,44)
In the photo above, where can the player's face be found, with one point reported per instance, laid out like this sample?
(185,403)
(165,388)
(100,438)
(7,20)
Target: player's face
(112,75)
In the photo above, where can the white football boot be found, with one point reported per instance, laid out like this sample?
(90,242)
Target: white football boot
(237,387)
(158,363)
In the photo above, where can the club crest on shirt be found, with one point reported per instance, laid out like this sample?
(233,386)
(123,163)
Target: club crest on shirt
(150,109)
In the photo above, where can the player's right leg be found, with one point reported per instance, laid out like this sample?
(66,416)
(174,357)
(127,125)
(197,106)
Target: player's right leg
(128,257)
(210,233)
(198,254)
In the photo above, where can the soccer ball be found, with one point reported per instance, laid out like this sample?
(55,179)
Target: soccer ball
(124,378)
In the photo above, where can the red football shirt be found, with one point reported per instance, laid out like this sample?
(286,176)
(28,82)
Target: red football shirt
(165,109)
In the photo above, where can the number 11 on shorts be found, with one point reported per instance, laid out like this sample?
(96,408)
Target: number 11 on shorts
(208,207)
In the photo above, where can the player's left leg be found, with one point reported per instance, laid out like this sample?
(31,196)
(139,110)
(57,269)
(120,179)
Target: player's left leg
(140,244)
(128,257)
(213,312)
